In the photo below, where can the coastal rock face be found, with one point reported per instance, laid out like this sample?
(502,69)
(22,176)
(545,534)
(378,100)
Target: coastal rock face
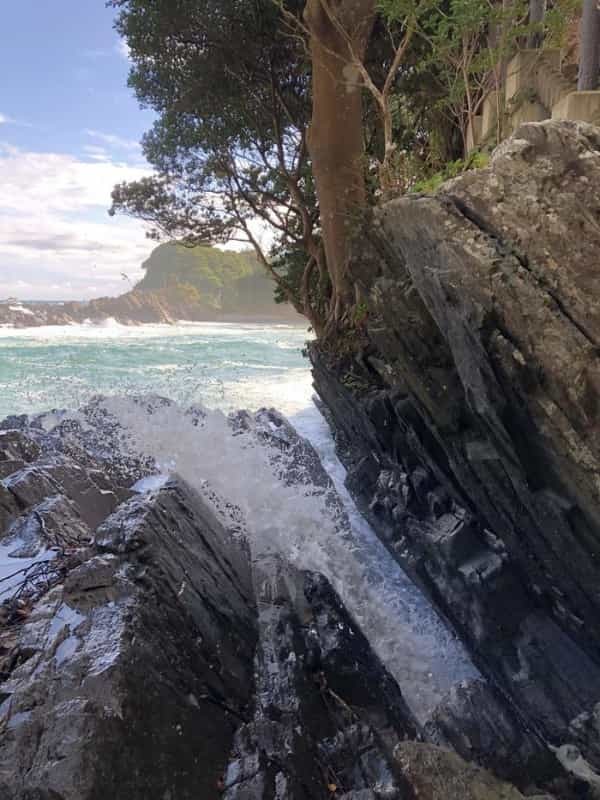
(467,409)
(327,714)
(161,667)
(134,673)
(145,654)
(136,307)
(131,308)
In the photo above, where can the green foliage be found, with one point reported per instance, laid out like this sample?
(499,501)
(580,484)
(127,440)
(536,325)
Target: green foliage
(453,169)
(229,81)
(559,19)
(221,280)
(456,62)
(230,86)
(360,314)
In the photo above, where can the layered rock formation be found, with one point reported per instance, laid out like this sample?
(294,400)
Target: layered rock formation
(467,408)
(145,654)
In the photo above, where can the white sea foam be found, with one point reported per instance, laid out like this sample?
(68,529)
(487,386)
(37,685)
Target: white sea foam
(218,364)
(111,329)
(295,520)
(58,367)
(22,310)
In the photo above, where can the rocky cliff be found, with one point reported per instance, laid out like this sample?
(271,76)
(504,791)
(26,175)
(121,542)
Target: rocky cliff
(150,649)
(137,307)
(145,653)
(466,402)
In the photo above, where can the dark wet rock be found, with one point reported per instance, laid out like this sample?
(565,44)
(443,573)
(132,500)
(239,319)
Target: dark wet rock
(292,457)
(60,474)
(585,734)
(136,673)
(17,445)
(467,413)
(16,450)
(327,715)
(147,657)
(9,508)
(53,523)
(161,667)
(476,722)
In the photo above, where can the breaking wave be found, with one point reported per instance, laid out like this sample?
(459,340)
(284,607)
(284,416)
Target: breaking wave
(242,465)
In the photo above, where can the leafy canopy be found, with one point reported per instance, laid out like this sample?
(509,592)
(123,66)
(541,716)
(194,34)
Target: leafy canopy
(230,85)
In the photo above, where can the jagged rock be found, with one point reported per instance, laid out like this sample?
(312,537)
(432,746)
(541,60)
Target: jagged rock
(478,724)
(156,661)
(9,507)
(55,522)
(327,713)
(439,774)
(585,733)
(16,450)
(135,675)
(476,376)
(136,307)
(62,475)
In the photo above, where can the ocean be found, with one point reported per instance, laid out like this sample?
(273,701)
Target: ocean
(225,367)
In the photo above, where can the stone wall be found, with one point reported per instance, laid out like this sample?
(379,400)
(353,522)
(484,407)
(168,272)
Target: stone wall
(539,86)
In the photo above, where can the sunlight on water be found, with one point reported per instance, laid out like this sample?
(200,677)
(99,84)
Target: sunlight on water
(220,365)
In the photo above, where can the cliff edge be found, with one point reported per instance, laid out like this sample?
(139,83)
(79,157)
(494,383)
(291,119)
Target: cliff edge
(467,406)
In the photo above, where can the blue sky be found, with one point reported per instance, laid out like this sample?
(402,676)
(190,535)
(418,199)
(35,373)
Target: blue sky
(69,129)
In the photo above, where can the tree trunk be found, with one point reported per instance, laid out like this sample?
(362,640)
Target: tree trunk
(589,64)
(335,137)
(537,13)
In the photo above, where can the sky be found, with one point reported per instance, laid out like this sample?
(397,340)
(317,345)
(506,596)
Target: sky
(69,130)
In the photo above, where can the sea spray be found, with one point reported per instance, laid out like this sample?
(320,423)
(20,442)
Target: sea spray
(237,465)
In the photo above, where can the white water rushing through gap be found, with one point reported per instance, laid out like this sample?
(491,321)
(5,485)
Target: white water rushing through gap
(404,630)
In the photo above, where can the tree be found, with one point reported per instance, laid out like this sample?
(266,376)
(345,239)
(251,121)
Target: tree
(230,86)
(262,126)
(537,13)
(339,33)
(589,63)
(235,85)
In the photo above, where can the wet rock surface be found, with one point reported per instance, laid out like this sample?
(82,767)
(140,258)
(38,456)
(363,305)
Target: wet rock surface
(466,412)
(133,675)
(144,654)
(327,715)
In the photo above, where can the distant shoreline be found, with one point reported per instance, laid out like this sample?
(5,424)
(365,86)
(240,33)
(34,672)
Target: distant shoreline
(137,307)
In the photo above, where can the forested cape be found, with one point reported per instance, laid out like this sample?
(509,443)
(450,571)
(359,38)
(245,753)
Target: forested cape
(296,117)
(221,281)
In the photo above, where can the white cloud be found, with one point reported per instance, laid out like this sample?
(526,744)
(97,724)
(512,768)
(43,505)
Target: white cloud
(113,140)
(41,182)
(56,239)
(6,120)
(96,152)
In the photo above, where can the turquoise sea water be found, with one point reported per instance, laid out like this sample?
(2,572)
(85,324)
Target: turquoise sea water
(222,365)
